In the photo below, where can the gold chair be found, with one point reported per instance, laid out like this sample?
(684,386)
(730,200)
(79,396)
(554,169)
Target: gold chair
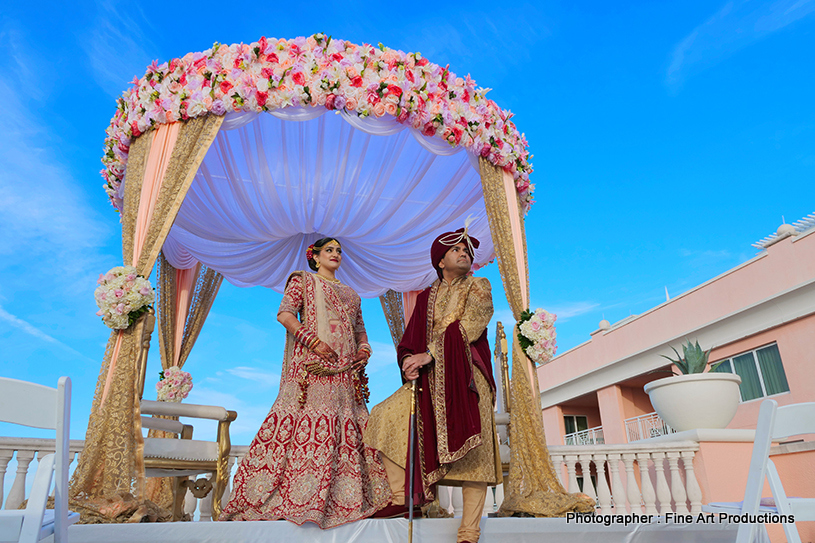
(183,456)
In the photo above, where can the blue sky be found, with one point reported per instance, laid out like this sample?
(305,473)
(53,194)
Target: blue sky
(667,137)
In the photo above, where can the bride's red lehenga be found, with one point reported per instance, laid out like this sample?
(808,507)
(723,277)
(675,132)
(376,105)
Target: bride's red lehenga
(307,462)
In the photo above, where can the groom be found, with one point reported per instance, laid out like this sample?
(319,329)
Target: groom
(445,348)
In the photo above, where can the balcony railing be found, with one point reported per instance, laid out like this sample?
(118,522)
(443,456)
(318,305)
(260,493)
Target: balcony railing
(668,481)
(646,427)
(592,436)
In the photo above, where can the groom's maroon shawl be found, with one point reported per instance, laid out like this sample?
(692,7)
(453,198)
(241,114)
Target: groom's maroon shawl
(449,425)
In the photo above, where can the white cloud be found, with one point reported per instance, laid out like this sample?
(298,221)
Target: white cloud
(735,26)
(32,330)
(256,375)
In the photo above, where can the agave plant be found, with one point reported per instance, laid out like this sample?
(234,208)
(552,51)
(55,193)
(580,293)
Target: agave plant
(694,359)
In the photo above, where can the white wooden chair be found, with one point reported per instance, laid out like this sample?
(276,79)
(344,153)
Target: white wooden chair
(774,423)
(39,406)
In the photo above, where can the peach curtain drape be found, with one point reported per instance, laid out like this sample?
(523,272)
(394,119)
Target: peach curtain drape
(161,167)
(534,487)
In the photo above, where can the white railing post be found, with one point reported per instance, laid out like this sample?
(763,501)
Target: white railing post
(457,501)
(603,493)
(694,492)
(617,488)
(632,490)
(190,501)
(5,458)
(663,491)
(677,488)
(648,496)
(499,496)
(585,467)
(444,498)
(570,468)
(17,493)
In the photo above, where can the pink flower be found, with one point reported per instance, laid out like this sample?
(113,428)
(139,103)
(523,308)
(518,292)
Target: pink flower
(329,101)
(350,104)
(298,78)
(118,293)
(379,109)
(119,309)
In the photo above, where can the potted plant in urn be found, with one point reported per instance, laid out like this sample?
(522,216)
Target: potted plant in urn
(695,398)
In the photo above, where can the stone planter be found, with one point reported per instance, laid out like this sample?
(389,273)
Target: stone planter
(697,400)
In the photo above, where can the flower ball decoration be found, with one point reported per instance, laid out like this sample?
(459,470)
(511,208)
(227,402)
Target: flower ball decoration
(174,385)
(537,335)
(122,296)
(317,71)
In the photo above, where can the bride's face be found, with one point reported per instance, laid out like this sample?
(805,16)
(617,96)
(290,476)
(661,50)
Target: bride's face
(330,256)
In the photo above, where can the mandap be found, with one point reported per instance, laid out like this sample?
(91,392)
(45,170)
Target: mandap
(229,162)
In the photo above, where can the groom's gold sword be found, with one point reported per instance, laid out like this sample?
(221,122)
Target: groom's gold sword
(411,456)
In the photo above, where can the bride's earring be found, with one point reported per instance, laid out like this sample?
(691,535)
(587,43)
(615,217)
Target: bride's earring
(317,265)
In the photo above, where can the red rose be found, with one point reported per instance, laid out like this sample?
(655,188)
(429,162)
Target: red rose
(429,129)
(238,62)
(200,62)
(356,81)
(485,150)
(403,115)
(262,97)
(373,98)
(225,86)
(134,128)
(183,79)
(271,57)
(298,78)
(421,62)
(337,57)
(465,96)
(266,73)
(409,75)
(262,43)
(457,132)
(329,101)
(393,89)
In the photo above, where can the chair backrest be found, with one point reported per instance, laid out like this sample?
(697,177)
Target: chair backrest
(774,423)
(39,406)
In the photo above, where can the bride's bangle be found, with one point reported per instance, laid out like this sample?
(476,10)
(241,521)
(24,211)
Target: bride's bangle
(365,347)
(306,337)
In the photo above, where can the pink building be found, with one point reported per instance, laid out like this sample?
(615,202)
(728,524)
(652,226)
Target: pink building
(759,317)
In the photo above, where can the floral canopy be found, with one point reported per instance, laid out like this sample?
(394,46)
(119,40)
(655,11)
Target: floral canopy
(227,163)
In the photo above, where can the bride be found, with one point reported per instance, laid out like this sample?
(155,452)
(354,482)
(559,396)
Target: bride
(307,462)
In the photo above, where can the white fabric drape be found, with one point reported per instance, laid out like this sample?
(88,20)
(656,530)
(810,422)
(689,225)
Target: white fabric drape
(273,183)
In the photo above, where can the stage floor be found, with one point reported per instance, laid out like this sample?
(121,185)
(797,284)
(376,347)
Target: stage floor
(493,530)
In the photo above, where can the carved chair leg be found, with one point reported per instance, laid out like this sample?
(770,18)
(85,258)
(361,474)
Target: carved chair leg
(179,492)
(218,492)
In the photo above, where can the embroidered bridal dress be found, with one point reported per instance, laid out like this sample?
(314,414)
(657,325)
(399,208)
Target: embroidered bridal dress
(307,462)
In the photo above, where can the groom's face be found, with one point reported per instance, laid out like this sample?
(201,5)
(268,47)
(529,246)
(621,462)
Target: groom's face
(457,261)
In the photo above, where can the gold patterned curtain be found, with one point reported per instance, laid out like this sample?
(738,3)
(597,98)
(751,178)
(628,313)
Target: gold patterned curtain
(394,313)
(534,487)
(110,470)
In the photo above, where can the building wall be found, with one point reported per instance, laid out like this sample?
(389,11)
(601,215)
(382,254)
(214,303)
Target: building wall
(769,298)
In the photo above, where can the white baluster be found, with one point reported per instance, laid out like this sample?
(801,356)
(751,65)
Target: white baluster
(499,496)
(663,491)
(444,498)
(570,468)
(677,488)
(205,505)
(558,461)
(228,487)
(190,501)
(17,493)
(457,501)
(489,502)
(603,493)
(5,458)
(694,492)
(648,496)
(617,489)
(632,491)
(585,467)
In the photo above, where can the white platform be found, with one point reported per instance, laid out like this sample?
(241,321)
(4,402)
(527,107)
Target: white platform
(493,530)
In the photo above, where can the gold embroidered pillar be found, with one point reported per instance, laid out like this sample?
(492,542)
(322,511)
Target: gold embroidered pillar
(534,487)
(157,179)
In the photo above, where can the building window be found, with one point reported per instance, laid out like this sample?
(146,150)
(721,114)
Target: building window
(575,423)
(761,371)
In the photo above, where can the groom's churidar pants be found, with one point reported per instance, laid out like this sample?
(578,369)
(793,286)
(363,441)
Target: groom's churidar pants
(474,495)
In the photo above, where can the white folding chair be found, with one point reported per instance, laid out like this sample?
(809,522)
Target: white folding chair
(774,423)
(39,406)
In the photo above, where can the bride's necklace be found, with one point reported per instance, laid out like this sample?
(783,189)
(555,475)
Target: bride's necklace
(330,280)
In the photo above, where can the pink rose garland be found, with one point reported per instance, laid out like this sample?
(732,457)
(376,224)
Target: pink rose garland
(317,71)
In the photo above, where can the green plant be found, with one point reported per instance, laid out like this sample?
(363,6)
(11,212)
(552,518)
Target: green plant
(693,359)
